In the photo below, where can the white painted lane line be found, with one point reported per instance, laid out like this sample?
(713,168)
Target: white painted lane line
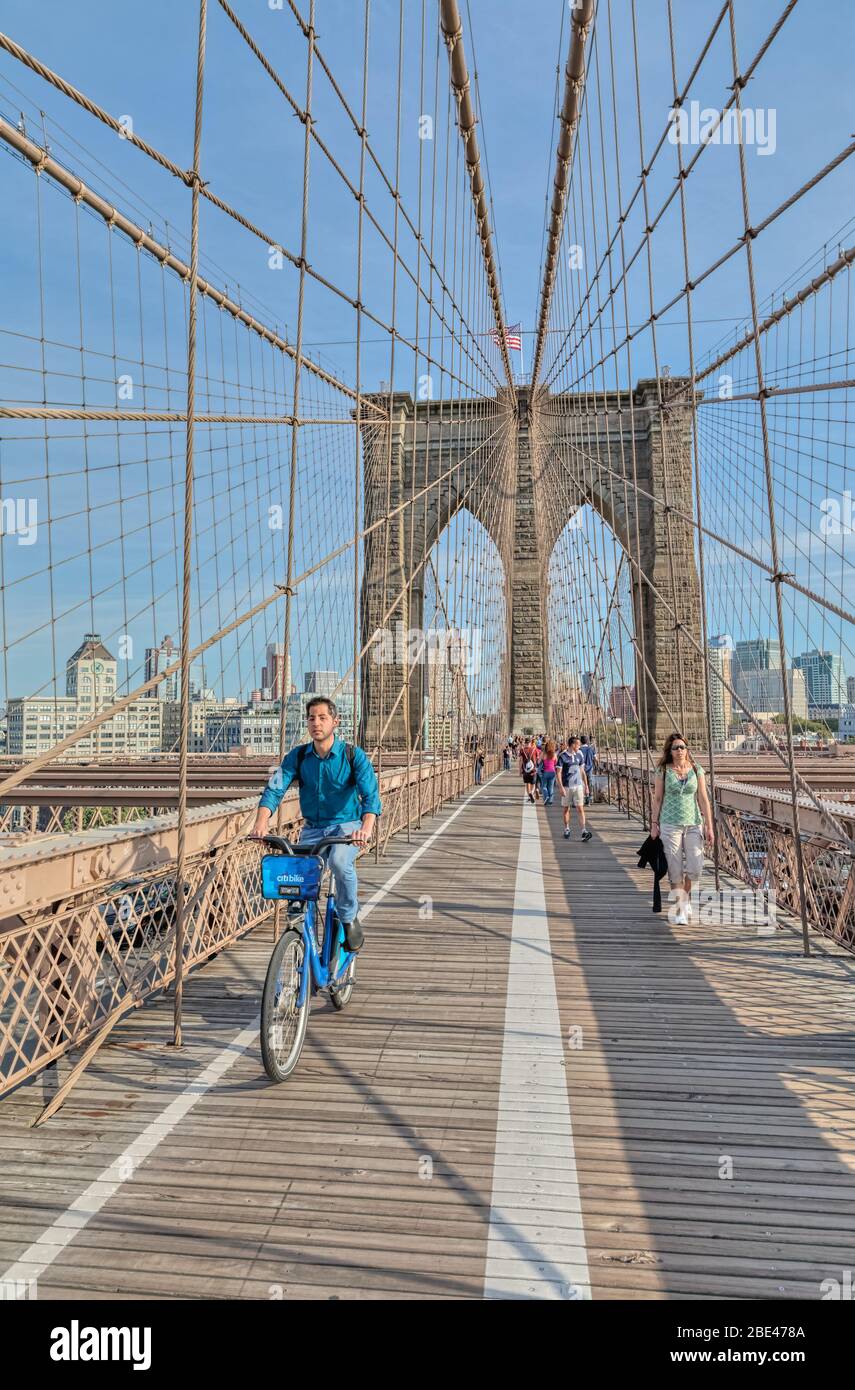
(536,1241)
(51,1243)
(396,877)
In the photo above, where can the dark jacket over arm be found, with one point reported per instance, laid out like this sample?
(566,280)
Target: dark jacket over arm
(652,854)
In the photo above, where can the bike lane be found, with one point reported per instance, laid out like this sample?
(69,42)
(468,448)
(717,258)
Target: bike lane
(368,1174)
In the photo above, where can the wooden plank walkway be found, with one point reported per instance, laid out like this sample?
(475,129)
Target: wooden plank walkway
(373,1173)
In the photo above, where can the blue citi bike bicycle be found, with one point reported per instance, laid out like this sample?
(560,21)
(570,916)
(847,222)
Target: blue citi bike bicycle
(299,965)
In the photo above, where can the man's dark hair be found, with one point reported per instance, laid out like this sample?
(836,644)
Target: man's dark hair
(321,700)
(584,738)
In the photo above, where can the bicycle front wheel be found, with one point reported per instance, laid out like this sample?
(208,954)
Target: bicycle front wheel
(283,1024)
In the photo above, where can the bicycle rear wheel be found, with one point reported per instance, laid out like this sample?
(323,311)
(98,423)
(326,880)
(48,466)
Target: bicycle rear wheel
(341,991)
(283,1024)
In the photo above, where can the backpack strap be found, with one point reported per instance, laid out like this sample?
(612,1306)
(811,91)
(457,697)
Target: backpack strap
(302,752)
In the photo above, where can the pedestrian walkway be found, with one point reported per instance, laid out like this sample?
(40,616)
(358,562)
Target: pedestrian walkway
(539,1090)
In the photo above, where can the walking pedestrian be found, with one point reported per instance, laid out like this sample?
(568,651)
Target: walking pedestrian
(528,768)
(479,765)
(547,772)
(588,749)
(681,807)
(574,783)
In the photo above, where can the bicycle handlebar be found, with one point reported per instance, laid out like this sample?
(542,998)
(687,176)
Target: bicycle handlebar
(296,849)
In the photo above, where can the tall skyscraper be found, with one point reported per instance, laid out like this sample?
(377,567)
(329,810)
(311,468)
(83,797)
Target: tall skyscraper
(156,660)
(320,682)
(764,692)
(721,700)
(441,701)
(752,656)
(199,688)
(276,671)
(593,688)
(850,690)
(622,703)
(823,672)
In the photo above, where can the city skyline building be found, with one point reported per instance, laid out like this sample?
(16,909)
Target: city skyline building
(35,724)
(320,683)
(823,670)
(622,703)
(156,660)
(763,692)
(276,672)
(720,651)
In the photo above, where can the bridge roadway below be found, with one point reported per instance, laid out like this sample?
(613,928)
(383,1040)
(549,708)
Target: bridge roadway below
(539,1090)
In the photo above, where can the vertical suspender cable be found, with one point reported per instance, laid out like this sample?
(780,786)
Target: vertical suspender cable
(582,17)
(738,84)
(452,29)
(180,896)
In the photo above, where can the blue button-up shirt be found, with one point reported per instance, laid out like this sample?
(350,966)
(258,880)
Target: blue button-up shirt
(327,793)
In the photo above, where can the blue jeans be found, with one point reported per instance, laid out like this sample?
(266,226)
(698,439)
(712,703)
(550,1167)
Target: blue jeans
(548,780)
(341,860)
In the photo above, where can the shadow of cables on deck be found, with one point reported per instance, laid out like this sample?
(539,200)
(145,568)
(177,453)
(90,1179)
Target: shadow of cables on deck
(716,1133)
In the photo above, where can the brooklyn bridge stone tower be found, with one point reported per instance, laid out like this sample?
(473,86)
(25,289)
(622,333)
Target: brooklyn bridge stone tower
(633,466)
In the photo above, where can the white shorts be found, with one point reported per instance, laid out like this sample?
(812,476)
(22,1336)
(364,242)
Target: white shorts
(572,796)
(684,850)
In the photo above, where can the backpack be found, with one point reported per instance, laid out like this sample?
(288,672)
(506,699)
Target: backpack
(529,767)
(302,753)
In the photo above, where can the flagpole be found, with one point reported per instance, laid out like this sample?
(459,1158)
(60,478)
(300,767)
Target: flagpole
(522,359)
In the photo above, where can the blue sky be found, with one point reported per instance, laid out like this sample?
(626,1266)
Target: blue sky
(140,62)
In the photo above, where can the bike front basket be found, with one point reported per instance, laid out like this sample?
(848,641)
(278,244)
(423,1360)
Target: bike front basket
(285,877)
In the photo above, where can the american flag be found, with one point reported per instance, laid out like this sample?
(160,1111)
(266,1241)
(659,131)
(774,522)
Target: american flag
(512,336)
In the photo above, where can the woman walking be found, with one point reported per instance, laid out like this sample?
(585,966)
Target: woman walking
(528,767)
(681,807)
(547,772)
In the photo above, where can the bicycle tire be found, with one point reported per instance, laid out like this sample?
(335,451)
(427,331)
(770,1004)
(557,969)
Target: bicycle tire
(279,1053)
(340,994)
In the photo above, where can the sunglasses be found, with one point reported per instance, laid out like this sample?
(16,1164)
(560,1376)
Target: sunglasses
(677,747)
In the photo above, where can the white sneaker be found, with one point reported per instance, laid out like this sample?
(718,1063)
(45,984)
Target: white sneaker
(688,912)
(681,920)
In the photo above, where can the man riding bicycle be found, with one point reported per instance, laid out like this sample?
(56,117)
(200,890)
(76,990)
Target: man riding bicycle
(339,795)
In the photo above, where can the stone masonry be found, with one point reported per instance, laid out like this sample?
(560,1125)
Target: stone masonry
(604,441)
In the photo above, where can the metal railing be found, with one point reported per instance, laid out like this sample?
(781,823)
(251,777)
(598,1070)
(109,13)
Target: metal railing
(87,921)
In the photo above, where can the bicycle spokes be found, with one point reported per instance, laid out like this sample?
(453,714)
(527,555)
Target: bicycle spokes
(286,1014)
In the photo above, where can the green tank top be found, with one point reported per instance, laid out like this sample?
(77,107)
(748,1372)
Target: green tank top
(679,803)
